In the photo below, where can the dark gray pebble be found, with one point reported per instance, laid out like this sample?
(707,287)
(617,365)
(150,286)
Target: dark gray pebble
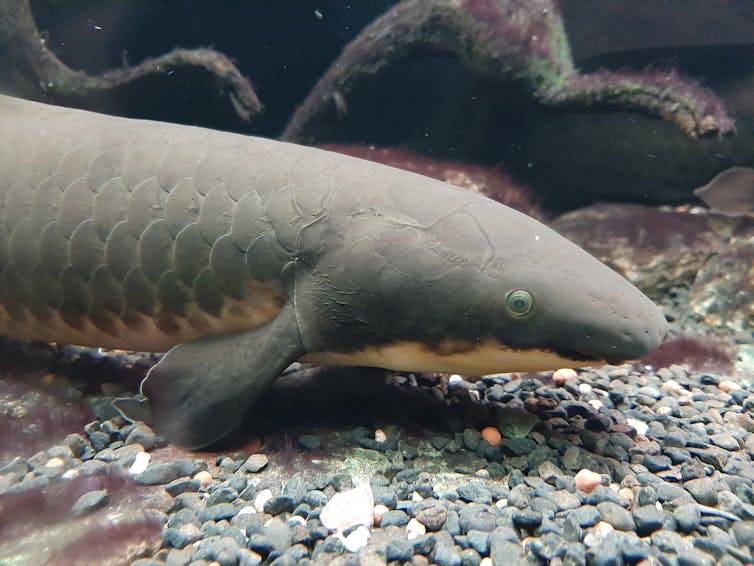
(89,502)
(470,557)
(646,496)
(99,440)
(687,517)
(159,473)
(479,541)
(703,490)
(547,547)
(218,512)
(695,558)
(182,485)
(221,495)
(223,550)
(175,538)
(528,519)
(744,533)
(77,443)
(616,515)
(656,462)
(446,556)
(648,519)
(585,516)
(670,542)
(433,517)
(142,434)
(279,504)
(397,518)
(254,463)
(424,544)
(399,550)
(475,492)
(477,517)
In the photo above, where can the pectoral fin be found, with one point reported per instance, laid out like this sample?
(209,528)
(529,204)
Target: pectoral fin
(200,390)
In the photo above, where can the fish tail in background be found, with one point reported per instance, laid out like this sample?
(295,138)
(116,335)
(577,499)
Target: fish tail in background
(730,192)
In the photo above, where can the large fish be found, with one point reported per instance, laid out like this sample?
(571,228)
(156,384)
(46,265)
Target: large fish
(238,255)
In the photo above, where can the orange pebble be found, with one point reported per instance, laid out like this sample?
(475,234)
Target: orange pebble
(492,435)
(204,478)
(587,480)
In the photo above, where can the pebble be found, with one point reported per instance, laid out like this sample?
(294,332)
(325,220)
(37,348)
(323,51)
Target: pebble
(607,467)
(140,463)
(587,480)
(492,435)
(203,477)
(415,529)
(255,463)
(90,501)
(648,518)
(158,473)
(349,508)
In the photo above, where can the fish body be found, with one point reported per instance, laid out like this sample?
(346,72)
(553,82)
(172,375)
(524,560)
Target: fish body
(239,255)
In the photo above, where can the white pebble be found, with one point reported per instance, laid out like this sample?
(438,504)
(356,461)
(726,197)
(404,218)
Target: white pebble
(356,540)
(380,510)
(70,474)
(246,510)
(671,386)
(501,503)
(455,378)
(380,436)
(349,508)
(562,375)
(596,403)
(585,388)
(486,561)
(262,497)
(415,529)
(416,497)
(639,426)
(141,461)
(595,536)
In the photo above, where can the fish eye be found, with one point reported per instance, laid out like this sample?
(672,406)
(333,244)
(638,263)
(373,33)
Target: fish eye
(519,302)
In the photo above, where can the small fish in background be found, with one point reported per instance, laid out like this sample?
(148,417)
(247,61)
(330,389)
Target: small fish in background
(730,192)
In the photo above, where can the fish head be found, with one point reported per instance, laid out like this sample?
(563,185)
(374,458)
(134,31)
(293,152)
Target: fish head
(467,285)
(523,294)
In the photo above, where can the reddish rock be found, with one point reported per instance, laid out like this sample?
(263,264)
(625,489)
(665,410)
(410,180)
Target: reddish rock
(654,249)
(723,291)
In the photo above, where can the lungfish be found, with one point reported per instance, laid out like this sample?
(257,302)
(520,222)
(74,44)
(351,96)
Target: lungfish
(239,255)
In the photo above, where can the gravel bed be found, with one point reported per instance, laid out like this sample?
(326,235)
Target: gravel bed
(606,466)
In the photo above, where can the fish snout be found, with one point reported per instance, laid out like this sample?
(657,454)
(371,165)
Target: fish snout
(640,335)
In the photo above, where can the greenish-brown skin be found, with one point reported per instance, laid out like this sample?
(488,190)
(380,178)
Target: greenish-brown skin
(239,255)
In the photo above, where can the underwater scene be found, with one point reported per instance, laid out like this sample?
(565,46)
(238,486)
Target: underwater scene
(377,282)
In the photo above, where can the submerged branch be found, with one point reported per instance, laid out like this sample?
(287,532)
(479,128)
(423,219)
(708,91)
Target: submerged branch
(19,32)
(509,40)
